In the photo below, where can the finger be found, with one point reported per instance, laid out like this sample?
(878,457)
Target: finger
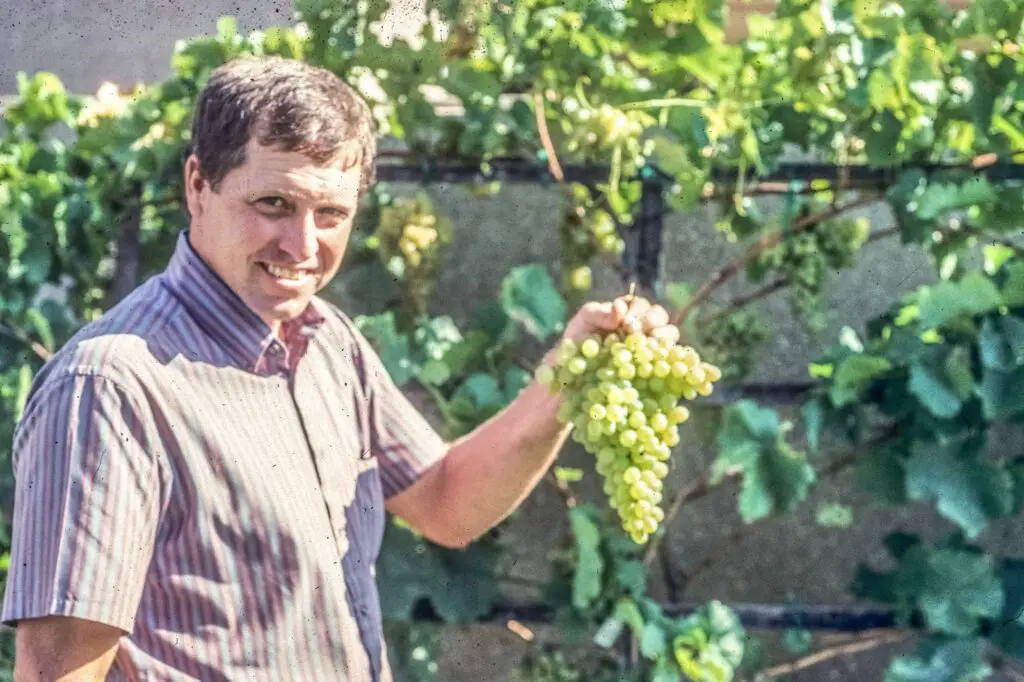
(669,332)
(638,306)
(603,315)
(656,317)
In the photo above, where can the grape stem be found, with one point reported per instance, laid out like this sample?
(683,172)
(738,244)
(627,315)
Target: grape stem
(767,241)
(563,489)
(744,300)
(870,641)
(545,137)
(23,338)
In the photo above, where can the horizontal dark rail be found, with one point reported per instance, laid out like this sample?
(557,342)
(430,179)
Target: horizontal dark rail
(819,617)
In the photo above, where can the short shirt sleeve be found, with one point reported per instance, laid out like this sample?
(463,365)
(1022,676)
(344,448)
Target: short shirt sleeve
(86,506)
(402,440)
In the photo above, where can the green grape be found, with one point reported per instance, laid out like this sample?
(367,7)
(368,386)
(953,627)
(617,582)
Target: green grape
(628,421)
(590,348)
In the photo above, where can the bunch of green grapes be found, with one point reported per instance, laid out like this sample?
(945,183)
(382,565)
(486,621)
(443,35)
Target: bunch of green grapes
(622,396)
(804,260)
(732,341)
(409,238)
(585,233)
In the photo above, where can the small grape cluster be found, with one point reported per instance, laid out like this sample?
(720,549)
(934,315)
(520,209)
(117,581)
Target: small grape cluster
(586,232)
(409,237)
(622,395)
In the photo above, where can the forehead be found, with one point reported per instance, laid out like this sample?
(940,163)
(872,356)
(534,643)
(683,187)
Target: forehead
(266,168)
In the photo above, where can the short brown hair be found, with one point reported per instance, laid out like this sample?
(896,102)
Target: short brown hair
(287,104)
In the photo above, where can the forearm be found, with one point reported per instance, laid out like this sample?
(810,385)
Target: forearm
(489,472)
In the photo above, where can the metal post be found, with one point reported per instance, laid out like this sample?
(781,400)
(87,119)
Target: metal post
(651,221)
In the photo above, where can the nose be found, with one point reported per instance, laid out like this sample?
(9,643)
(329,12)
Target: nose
(299,239)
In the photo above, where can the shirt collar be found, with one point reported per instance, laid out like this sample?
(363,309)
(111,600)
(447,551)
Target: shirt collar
(233,325)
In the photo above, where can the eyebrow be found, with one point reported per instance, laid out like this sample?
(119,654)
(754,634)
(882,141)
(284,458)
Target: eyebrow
(292,194)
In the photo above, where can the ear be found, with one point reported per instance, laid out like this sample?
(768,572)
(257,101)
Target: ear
(195,184)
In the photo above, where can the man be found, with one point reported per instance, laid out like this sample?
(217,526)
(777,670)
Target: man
(202,474)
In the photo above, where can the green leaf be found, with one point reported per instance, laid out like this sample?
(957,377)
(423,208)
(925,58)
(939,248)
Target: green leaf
(947,301)
(958,373)
(653,641)
(854,376)
(586,581)
(933,392)
(797,640)
(1013,285)
(941,198)
(1001,397)
(411,569)
(775,476)
(391,346)
(941,659)
(882,473)
(1008,630)
(995,255)
(632,576)
(482,392)
(958,590)
(516,379)
(530,297)
(434,372)
(967,490)
(1001,342)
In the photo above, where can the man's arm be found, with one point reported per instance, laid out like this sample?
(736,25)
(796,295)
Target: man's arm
(64,649)
(487,474)
(88,494)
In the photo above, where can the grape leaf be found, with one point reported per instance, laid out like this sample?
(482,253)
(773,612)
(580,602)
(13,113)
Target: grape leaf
(1001,342)
(941,659)
(959,589)
(1000,393)
(586,580)
(854,375)
(459,584)
(967,490)
(882,473)
(946,301)
(940,198)
(1008,630)
(391,346)
(1013,284)
(776,477)
(955,588)
(530,297)
(933,392)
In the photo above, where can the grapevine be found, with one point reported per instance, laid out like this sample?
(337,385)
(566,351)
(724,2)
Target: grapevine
(409,238)
(805,259)
(623,397)
(586,232)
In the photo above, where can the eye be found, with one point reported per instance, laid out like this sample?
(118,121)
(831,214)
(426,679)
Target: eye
(273,202)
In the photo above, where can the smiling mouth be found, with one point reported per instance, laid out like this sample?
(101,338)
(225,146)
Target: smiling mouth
(287,274)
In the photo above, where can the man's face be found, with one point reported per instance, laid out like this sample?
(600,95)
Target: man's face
(277,228)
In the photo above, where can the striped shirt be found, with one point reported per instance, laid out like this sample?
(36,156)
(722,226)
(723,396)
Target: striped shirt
(215,491)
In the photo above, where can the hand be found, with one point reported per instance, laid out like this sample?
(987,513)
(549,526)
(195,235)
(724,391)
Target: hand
(632,313)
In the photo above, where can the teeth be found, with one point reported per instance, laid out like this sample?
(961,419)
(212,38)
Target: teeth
(285,273)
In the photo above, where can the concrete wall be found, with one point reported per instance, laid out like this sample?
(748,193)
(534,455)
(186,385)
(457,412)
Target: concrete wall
(86,43)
